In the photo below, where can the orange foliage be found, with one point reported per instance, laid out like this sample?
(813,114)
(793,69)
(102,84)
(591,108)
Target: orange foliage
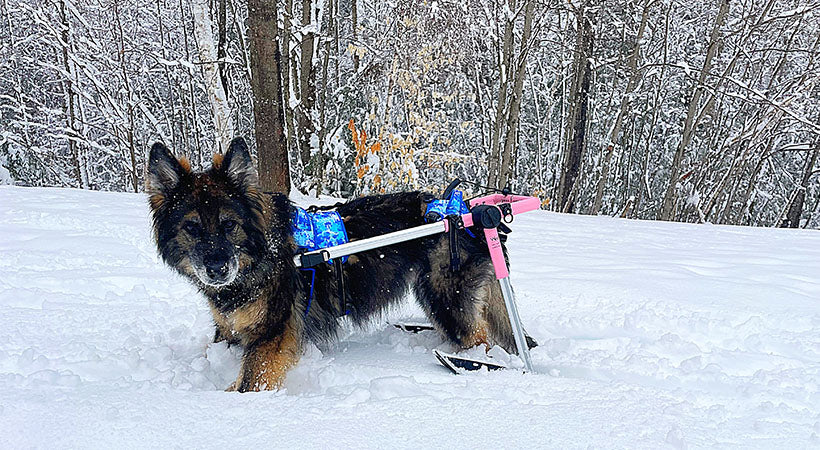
(362,149)
(542,194)
(393,153)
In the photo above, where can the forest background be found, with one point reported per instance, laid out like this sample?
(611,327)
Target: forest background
(655,109)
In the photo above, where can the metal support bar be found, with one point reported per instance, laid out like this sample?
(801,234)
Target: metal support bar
(373,242)
(515,322)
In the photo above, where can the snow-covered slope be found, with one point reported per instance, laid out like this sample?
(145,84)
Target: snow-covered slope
(652,335)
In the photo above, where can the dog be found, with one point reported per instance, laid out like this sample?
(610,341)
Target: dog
(218,229)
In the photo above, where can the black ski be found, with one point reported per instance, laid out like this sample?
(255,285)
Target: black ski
(459,364)
(455,363)
(414,327)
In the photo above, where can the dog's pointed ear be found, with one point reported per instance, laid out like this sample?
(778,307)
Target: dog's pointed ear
(164,170)
(238,165)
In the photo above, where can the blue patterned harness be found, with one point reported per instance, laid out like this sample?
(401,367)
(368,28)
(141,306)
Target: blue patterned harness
(315,230)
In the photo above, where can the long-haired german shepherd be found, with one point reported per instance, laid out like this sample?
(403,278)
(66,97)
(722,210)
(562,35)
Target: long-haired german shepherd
(235,243)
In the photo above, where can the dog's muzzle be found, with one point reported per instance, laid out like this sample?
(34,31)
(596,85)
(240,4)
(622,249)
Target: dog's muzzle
(217,269)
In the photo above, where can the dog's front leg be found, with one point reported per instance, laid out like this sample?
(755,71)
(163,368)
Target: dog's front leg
(265,363)
(222,331)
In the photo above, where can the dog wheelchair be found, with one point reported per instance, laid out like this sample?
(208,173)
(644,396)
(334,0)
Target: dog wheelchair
(487,214)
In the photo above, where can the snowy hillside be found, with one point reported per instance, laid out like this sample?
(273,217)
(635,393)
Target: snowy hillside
(653,335)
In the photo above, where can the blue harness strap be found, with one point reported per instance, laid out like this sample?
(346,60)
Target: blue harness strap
(450,208)
(302,227)
(439,209)
(312,272)
(453,206)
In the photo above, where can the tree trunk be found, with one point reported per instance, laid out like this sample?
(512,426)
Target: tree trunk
(288,88)
(307,84)
(507,160)
(626,100)
(668,209)
(354,19)
(129,100)
(796,207)
(579,95)
(222,43)
(197,156)
(504,66)
(266,84)
(77,154)
(174,120)
(320,163)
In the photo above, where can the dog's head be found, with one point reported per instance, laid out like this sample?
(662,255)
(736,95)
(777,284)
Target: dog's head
(207,224)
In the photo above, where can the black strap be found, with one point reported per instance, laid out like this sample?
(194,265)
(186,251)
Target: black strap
(449,191)
(309,278)
(340,284)
(313,259)
(455,224)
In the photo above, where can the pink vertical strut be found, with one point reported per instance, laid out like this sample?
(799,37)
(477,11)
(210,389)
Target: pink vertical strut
(496,253)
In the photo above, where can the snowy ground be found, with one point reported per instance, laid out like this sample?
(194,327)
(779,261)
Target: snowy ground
(653,335)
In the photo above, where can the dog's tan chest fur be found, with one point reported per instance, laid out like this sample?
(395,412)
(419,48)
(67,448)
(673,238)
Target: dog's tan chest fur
(243,322)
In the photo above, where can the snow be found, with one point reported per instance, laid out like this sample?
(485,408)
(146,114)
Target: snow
(5,176)
(653,335)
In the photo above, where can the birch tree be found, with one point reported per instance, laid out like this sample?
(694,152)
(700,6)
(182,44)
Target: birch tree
(212,75)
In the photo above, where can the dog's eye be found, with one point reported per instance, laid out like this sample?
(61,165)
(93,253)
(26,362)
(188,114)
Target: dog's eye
(229,225)
(192,228)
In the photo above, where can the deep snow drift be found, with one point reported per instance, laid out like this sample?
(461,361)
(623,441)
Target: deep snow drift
(652,335)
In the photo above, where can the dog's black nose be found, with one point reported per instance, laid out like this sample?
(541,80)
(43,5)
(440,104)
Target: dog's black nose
(216,265)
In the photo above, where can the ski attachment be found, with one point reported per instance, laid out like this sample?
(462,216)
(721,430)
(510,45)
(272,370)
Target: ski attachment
(414,327)
(459,364)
